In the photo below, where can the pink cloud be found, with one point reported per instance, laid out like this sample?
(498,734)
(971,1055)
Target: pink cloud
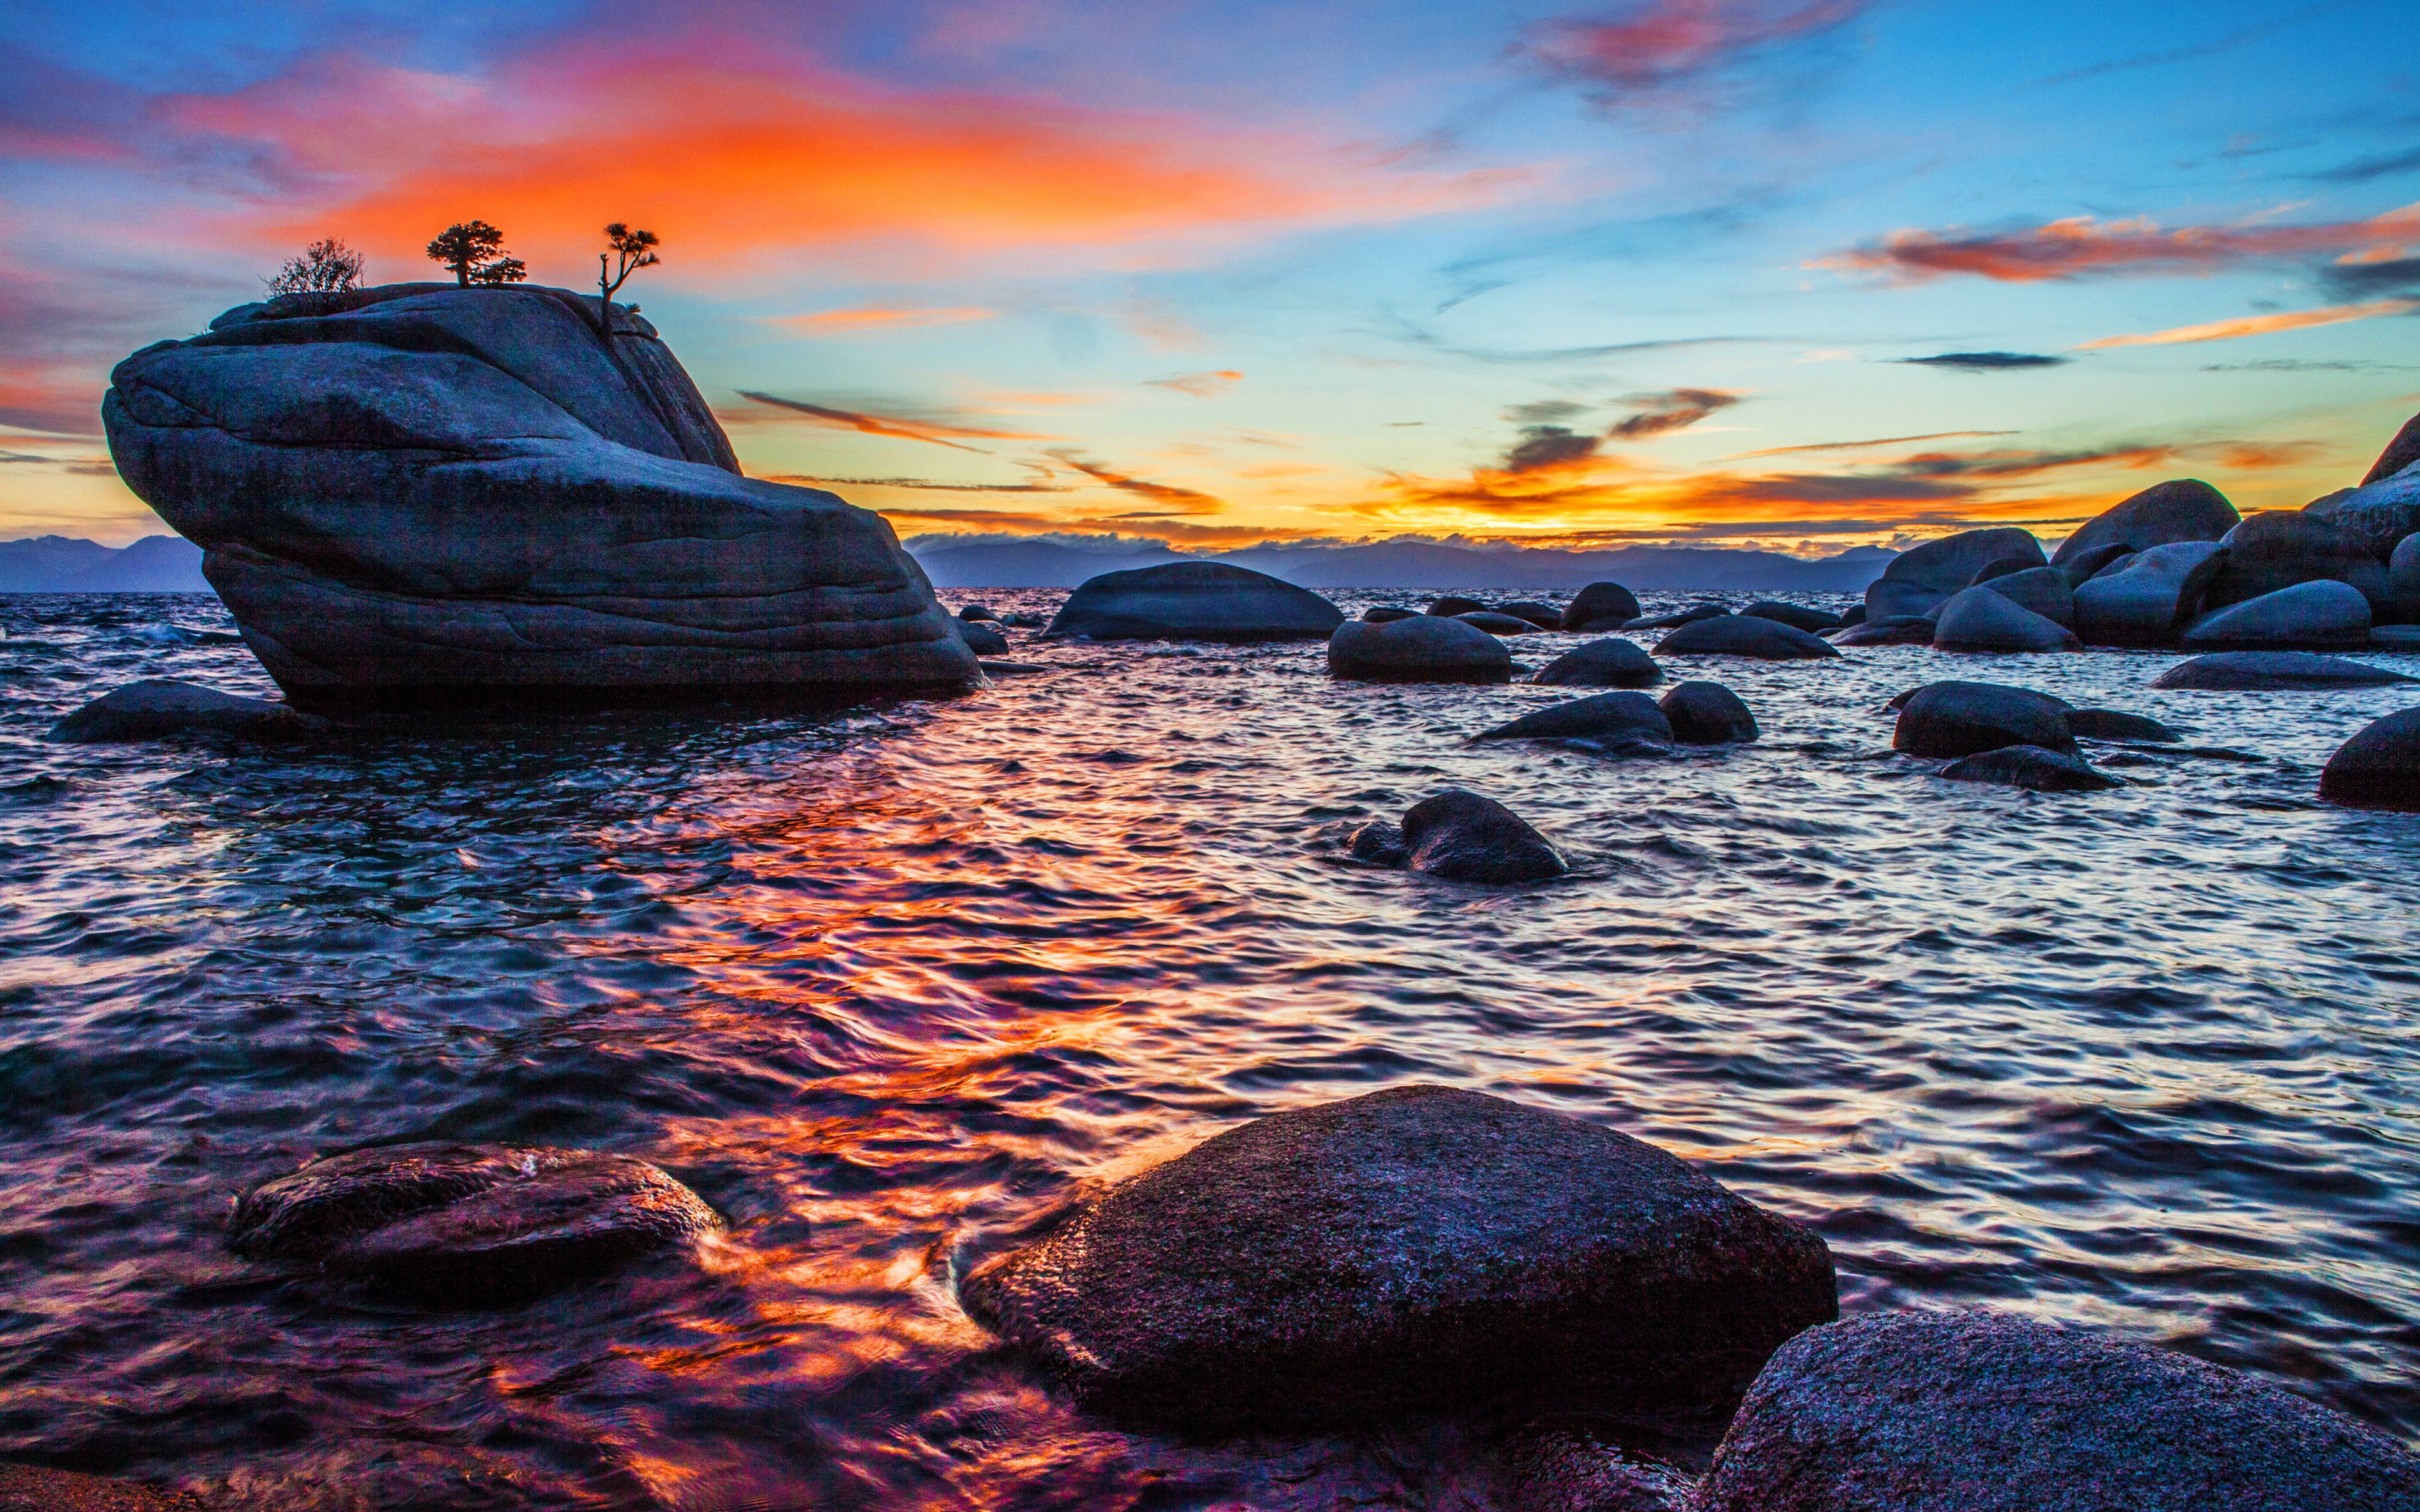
(2080,246)
(1663,45)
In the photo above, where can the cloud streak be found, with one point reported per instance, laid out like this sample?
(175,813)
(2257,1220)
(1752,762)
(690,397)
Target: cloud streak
(933,432)
(2256,325)
(844,322)
(1126,483)
(1987,361)
(2083,247)
(1200,385)
(1662,52)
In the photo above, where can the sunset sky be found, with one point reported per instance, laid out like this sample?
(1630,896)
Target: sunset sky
(1801,274)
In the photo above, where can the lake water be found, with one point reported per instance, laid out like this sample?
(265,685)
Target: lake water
(886,987)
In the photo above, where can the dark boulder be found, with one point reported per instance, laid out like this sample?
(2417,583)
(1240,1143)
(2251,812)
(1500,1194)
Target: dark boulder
(2109,724)
(1568,1464)
(1980,620)
(1600,601)
(467,1223)
(1452,604)
(1603,627)
(1612,662)
(420,492)
(1023,622)
(1614,716)
(2181,509)
(2400,456)
(1194,601)
(2378,514)
(2281,547)
(1740,635)
(1545,616)
(33,1488)
(2324,614)
(1380,844)
(1707,714)
(1855,614)
(1920,581)
(1422,649)
(1942,720)
(2031,767)
(1416,1248)
(982,639)
(2003,567)
(157,707)
(2149,599)
(2377,768)
(977,611)
(1462,836)
(1796,615)
(1388,614)
(1495,624)
(2084,566)
(2042,591)
(2235,671)
(1704,610)
(1971,1412)
(1891,630)
(2403,580)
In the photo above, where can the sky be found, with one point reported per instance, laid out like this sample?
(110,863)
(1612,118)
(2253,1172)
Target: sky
(1797,274)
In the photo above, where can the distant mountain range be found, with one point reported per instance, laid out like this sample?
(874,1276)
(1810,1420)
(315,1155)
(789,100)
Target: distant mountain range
(1419,565)
(63,564)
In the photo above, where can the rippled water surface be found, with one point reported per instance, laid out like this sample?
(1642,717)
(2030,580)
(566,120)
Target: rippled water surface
(886,986)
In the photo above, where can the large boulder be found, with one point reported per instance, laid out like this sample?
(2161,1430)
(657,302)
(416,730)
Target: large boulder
(1453,604)
(982,639)
(2403,580)
(157,707)
(1545,616)
(2378,514)
(1965,718)
(1969,1412)
(2280,548)
(1612,662)
(1980,619)
(2181,509)
(1707,714)
(2149,599)
(2043,590)
(1424,648)
(2377,768)
(2031,767)
(1416,1248)
(1608,718)
(2317,615)
(1462,836)
(1600,601)
(1799,615)
(467,1223)
(1922,579)
(422,491)
(2084,566)
(1193,601)
(1743,634)
(2235,671)
(2401,454)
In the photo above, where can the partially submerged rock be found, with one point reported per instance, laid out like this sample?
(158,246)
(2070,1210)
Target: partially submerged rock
(1608,716)
(2317,615)
(1193,601)
(1416,1248)
(2181,509)
(157,707)
(1945,719)
(1612,662)
(2109,724)
(1495,624)
(1891,630)
(1462,836)
(467,1223)
(2231,671)
(1600,601)
(2377,768)
(1387,614)
(982,639)
(1424,648)
(1796,615)
(2029,766)
(2149,599)
(1707,714)
(1742,635)
(1543,616)
(1969,1412)
(1453,604)
(1705,610)
(1980,618)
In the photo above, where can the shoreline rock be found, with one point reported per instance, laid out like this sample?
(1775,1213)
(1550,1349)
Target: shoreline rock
(1193,601)
(1420,648)
(156,708)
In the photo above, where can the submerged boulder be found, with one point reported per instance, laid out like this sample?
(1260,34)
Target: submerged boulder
(1412,1249)
(982,639)
(1600,601)
(2029,766)
(1972,1412)
(467,1223)
(1707,714)
(1981,620)
(2109,724)
(1742,635)
(2314,615)
(2181,509)
(1705,610)
(1543,616)
(1608,716)
(2282,548)
(1966,718)
(1495,624)
(2149,599)
(1193,601)
(1462,836)
(2377,768)
(1612,662)
(1453,604)
(2231,671)
(1423,648)
(1920,581)
(156,707)
(422,491)
(1796,615)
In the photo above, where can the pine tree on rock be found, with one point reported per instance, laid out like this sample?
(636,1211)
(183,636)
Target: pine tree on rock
(473,251)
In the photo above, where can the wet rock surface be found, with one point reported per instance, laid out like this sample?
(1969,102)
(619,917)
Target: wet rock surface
(1980,618)
(156,708)
(1707,714)
(2031,767)
(1949,719)
(1462,837)
(1740,635)
(1413,1248)
(1600,601)
(2322,614)
(1796,615)
(33,1488)
(2181,509)
(1496,624)
(1606,716)
(2111,724)
(1193,601)
(2259,671)
(1611,662)
(1920,581)
(2379,767)
(1421,648)
(2148,599)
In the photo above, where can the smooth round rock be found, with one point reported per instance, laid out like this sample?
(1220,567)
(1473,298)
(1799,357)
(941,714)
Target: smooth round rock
(2403,579)
(1545,616)
(1615,715)
(1424,648)
(467,1223)
(1380,842)
(2282,548)
(2149,598)
(1417,1248)
(977,611)
(1980,618)
(1388,614)
(1707,714)
(2401,454)
(2044,591)
(1453,604)
(2084,566)
(1855,614)
(1706,610)
(1612,662)
(1891,630)
(1742,635)
(2181,509)
(2109,724)
(1919,580)
(158,707)
(1799,615)
(2377,768)
(1600,601)
(2031,767)
(1495,624)
(1972,1412)
(1193,601)
(982,639)
(2378,514)
(1462,836)
(2233,671)
(1947,719)
(2322,614)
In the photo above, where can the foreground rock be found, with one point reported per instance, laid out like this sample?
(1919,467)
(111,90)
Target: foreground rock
(1948,719)
(2377,768)
(1607,722)
(2319,615)
(1416,1248)
(2279,549)
(467,1223)
(1981,620)
(157,707)
(2150,599)
(2235,671)
(1707,714)
(1600,601)
(1975,1413)
(422,493)
(1462,836)
(2181,509)
(1795,615)
(1423,648)
(2032,767)
(1921,580)
(1612,662)
(32,1488)
(1740,635)
(1193,601)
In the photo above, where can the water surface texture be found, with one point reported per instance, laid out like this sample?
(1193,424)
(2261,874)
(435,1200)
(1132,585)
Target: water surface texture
(888,986)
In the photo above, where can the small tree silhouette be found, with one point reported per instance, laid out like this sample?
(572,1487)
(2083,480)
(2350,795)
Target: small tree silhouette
(475,252)
(326,267)
(614,269)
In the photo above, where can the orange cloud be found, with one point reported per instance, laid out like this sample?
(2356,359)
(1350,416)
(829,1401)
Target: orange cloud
(2257,325)
(1166,493)
(905,429)
(2078,246)
(838,322)
(1200,385)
